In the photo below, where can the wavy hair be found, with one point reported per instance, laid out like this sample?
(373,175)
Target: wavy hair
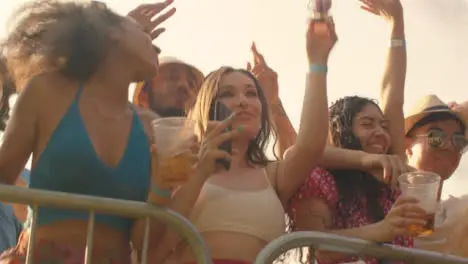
(204,102)
(7,91)
(352,185)
(71,37)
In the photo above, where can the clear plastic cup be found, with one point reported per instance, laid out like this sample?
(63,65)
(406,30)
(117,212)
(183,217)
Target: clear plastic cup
(435,240)
(423,186)
(171,137)
(319,10)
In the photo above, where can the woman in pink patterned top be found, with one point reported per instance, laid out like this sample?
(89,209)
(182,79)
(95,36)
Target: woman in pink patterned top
(352,202)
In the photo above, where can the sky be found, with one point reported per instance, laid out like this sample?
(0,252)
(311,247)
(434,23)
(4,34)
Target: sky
(211,33)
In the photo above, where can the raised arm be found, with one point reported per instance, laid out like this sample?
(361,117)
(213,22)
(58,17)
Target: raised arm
(313,130)
(268,79)
(21,132)
(393,83)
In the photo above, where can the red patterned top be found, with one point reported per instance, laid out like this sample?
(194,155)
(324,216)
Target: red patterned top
(321,184)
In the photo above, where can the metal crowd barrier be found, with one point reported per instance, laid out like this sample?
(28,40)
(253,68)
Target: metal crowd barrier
(355,247)
(93,204)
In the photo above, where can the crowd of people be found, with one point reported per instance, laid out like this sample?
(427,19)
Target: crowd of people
(337,174)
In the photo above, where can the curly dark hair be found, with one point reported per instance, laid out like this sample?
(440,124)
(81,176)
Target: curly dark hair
(352,185)
(71,37)
(7,91)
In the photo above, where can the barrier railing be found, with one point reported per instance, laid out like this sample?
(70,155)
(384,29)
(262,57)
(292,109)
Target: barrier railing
(93,204)
(355,247)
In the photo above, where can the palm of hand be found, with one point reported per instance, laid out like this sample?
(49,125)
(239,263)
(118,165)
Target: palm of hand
(267,77)
(388,9)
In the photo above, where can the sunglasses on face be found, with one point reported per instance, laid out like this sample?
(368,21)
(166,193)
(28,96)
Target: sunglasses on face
(437,138)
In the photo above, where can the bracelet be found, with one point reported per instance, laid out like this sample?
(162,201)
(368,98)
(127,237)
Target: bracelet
(318,68)
(160,192)
(395,43)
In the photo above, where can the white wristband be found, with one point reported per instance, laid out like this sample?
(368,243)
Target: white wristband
(395,43)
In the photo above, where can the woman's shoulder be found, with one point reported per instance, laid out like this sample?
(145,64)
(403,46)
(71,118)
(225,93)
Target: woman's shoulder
(320,184)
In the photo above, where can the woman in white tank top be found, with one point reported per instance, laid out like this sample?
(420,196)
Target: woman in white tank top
(253,192)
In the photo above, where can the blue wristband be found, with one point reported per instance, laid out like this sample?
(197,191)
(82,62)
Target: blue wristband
(160,192)
(318,68)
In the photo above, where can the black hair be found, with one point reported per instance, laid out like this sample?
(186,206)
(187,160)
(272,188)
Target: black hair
(353,184)
(71,37)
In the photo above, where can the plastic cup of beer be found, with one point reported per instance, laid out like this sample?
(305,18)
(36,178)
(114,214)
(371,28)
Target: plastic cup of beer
(171,137)
(423,186)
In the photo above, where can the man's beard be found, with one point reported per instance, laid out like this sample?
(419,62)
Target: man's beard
(169,112)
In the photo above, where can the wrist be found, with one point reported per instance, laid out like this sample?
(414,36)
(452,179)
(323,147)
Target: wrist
(277,108)
(318,67)
(361,155)
(373,232)
(397,29)
(157,191)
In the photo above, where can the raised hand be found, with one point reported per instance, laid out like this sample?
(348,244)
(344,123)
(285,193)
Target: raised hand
(386,168)
(321,38)
(266,76)
(145,13)
(214,136)
(390,10)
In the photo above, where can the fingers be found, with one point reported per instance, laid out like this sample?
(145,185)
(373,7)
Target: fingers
(331,29)
(151,10)
(216,127)
(156,33)
(409,210)
(387,170)
(404,200)
(160,19)
(370,10)
(217,141)
(393,166)
(258,57)
(404,222)
(397,169)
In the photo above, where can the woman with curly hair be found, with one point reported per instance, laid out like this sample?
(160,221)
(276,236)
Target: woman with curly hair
(7,89)
(352,202)
(78,60)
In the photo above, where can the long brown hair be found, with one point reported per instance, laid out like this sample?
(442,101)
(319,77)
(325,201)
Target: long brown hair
(209,92)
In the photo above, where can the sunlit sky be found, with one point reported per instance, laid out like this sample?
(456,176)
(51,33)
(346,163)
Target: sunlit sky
(211,33)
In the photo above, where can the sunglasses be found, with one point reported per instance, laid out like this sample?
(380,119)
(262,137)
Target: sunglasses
(437,138)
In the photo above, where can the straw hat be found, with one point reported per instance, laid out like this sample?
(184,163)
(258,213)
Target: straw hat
(427,105)
(145,86)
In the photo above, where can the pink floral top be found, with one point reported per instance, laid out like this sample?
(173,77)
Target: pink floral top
(321,184)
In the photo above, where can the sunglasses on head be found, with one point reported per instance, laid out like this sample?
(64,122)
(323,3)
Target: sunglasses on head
(437,138)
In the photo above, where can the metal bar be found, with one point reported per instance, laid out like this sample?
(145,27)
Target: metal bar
(125,208)
(144,252)
(90,238)
(357,247)
(32,236)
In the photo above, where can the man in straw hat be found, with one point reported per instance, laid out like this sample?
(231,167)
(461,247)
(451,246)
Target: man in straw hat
(172,91)
(436,136)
